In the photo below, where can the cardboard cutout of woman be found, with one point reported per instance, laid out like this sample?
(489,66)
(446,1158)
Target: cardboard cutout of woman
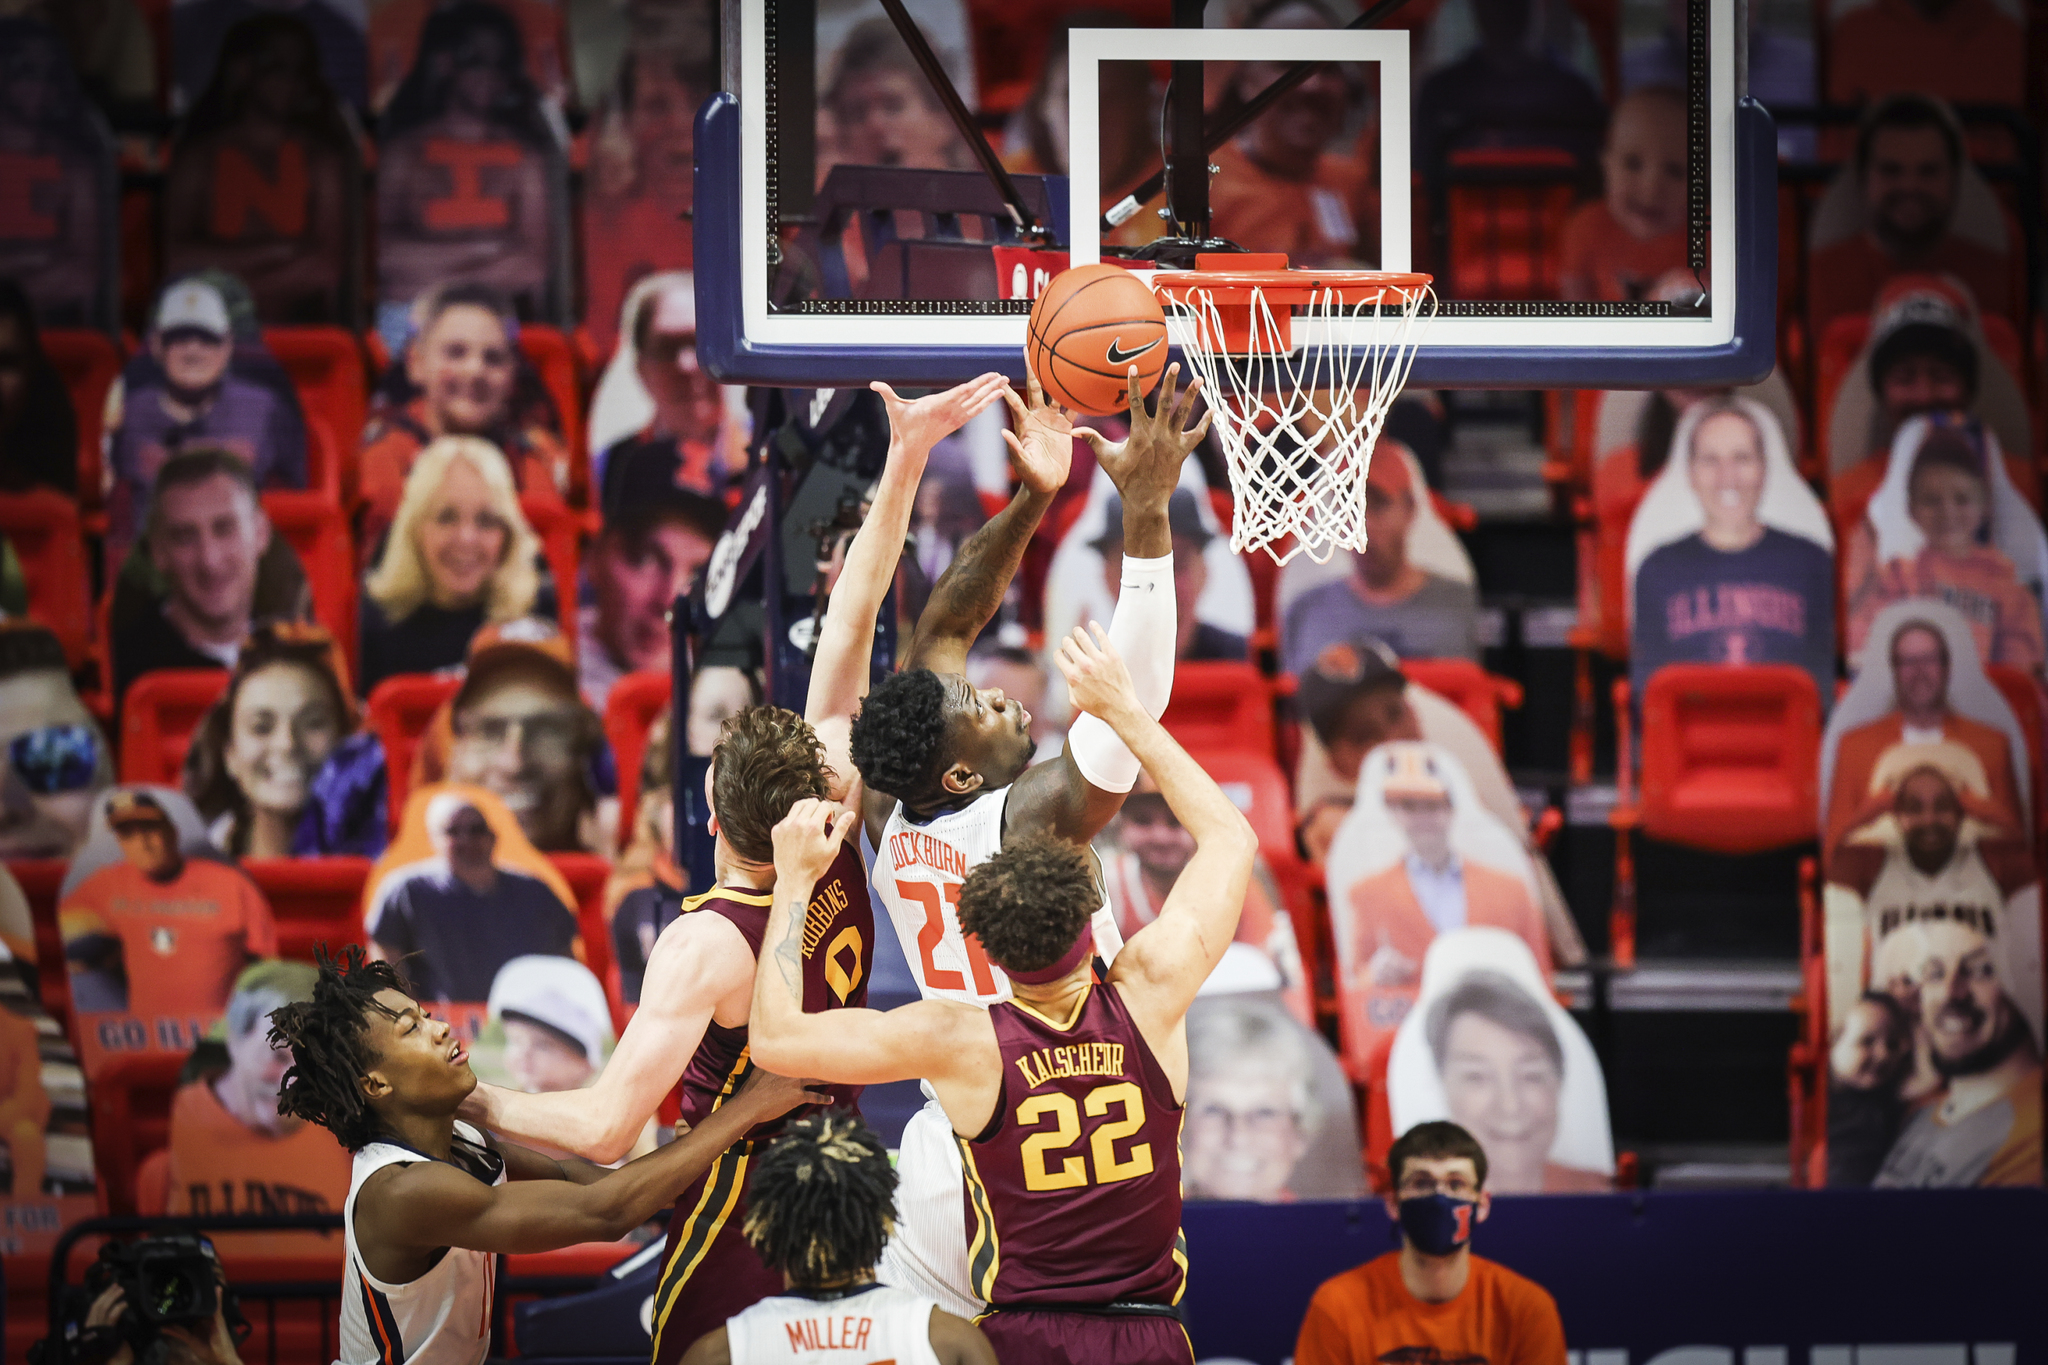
(1730,557)
(1947,523)
(1489,1048)
(1269,1114)
(1417,856)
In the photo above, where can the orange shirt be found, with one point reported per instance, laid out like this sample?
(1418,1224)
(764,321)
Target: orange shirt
(1846,277)
(182,941)
(2004,617)
(1972,52)
(1317,222)
(1367,1315)
(393,442)
(221,1166)
(1620,266)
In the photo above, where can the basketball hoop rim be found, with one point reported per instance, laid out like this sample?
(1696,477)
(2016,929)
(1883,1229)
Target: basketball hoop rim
(1224,283)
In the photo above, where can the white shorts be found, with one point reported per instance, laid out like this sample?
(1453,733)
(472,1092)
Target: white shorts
(928,1254)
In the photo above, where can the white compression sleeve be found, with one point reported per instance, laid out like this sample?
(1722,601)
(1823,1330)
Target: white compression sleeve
(1144,628)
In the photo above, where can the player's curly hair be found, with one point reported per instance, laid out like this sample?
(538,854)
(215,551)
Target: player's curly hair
(767,759)
(1030,902)
(821,1201)
(326,1038)
(898,740)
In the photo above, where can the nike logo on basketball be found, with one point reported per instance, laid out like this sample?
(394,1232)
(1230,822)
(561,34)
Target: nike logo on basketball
(1117,355)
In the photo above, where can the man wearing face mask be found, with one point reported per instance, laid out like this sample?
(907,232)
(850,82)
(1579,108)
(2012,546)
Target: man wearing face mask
(1433,1299)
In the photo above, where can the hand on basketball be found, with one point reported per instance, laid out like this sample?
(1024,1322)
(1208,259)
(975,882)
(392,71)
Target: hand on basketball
(1042,446)
(1146,464)
(772,1096)
(919,424)
(1097,680)
(808,838)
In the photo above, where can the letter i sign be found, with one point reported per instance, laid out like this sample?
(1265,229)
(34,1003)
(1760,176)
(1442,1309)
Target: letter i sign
(1464,1222)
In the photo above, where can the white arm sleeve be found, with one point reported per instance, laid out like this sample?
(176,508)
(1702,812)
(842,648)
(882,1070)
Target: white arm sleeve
(1144,628)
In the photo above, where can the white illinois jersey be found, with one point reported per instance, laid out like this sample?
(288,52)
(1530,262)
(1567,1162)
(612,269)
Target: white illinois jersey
(918,869)
(879,1324)
(441,1318)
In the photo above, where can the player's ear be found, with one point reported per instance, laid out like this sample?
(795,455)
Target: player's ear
(375,1086)
(960,779)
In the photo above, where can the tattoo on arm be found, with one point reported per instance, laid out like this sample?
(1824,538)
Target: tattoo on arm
(789,954)
(972,587)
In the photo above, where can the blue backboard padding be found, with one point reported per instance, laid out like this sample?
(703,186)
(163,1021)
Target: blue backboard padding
(728,354)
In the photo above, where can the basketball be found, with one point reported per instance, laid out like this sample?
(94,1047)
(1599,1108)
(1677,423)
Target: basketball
(1088,328)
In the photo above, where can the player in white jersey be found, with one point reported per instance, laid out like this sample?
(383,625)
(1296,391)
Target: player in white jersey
(944,764)
(818,1211)
(429,1204)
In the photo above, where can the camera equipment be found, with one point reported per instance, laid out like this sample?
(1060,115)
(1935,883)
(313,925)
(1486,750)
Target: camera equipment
(166,1280)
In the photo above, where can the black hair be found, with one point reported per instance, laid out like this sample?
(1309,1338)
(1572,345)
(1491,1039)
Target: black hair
(318,112)
(30,647)
(194,465)
(1030,902)
(899,734)
(330,1056)
(1496,998)
(1932,340)
(1438,1138)
(40,437)
(423,95)
(821,1201)
(67,117)
(1908,110)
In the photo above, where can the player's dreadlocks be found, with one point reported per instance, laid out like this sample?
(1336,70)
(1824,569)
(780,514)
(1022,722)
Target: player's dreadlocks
(329,1058)
(820,1203)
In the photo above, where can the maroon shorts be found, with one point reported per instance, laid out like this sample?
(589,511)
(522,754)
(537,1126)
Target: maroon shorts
(708,1272)
(1038,1336)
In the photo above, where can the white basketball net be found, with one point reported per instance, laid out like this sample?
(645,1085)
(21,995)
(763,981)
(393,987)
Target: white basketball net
(1298,454)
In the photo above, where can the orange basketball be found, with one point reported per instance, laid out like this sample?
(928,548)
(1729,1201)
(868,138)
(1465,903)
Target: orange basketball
(1088,328)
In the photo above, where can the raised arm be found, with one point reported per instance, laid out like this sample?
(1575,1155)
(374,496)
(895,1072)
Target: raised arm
(928,1039)
(1076,796)
(846,640)
(1166,962)
(697,962)
(967,594)
(432,1204)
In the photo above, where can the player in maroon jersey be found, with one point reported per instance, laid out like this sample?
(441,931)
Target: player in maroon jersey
(1066,1099)
(689,1034)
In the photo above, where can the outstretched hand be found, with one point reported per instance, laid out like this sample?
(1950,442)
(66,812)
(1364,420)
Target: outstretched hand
(916,425)
(1042,446)
(1146,464)
(1097,680)
(808,838)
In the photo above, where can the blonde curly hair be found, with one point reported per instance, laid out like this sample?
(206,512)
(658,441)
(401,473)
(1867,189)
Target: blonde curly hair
(400,583)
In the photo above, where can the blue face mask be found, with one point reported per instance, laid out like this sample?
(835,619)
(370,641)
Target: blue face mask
(1436,1224)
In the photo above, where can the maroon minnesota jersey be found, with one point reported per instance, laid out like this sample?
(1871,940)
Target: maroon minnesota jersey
(710,1273)
(1073,1190)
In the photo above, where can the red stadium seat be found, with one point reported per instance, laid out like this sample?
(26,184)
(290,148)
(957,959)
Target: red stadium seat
(560,529)
(1730,756)
(550,353)
(131,1117)
(318,533)
(326,366)
(586,874)
(2023,694)
(1479,694)
(160,715)
(315,901)
(43,527)
(400,710)
(41,879)
(1505,211)
(89,362)
(323,459)
(1221,706)
(630,711)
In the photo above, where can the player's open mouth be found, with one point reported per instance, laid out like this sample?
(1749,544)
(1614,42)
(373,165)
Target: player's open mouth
(458,1055)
